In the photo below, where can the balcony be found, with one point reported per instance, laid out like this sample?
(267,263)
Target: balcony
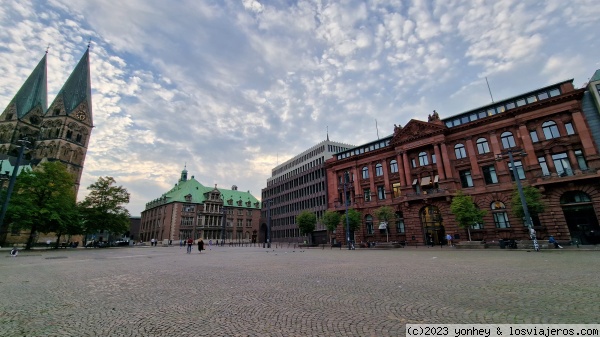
(565,175)
(426,193)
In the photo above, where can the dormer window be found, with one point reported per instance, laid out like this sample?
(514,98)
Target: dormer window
(69,134)
(230,202)
(56,112)
(239,203)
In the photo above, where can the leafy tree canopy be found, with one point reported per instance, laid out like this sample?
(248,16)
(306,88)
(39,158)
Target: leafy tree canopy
(44,201)
(103,208)
(354,219)
(306,222)
(533,197)
(384,213)
(465,211)
(331,220)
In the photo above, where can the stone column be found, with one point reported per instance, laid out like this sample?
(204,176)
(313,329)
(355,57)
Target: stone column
(438,161)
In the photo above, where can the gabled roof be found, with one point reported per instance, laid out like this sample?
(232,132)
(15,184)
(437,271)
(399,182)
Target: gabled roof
(197,191)
(33,92)
(78,86)
(416,129)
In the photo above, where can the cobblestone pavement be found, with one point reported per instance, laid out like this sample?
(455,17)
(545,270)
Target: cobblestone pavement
(247,291)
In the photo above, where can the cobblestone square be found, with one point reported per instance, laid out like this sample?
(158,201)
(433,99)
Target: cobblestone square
(251,291)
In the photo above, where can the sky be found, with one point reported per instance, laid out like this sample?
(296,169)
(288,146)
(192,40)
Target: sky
(229,89)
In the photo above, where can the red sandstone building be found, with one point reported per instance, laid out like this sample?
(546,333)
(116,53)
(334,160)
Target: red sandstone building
(419,169)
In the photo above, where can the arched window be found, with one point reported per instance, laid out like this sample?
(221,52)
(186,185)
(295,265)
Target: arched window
(508,140)
(499,213)
(574,197)
(365,172)
(482,146)
(423,159)
(369,224)
(394,166)
(378,170)
(459,151)
(400,223)
(550,130)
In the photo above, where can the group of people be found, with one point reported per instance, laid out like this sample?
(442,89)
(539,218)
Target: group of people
(190,242)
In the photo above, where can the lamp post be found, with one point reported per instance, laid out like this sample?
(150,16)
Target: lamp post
(11,183)
(522,195)
(346,182)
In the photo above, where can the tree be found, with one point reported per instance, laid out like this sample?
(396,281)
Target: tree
(103,208)
(331,220)
(465,211)
(44,201)
(533,197)
(384,214)
(354,219)
(306,222)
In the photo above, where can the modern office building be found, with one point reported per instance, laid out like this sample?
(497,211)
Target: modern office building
(192,210)
(545,135)
(294,186)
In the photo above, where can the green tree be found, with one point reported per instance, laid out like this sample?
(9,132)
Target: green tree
(354,219)
(306,222)
(44,202)
(533,197)
(331,220)
(385,214)
(465,211)
(103,208)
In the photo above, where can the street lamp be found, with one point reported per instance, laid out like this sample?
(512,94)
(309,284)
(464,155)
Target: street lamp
(11,183)
(346,182)
(521,194)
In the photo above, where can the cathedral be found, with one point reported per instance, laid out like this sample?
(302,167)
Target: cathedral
(60,131)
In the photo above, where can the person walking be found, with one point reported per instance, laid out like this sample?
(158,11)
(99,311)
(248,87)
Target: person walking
(190,242)
(449,239)
(210,244)
(200,245)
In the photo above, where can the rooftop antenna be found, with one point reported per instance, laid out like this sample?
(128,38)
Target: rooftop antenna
(490,90)
(89,42)
(376,128)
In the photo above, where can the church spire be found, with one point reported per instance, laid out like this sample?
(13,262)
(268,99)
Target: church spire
(33,93)
(78,89)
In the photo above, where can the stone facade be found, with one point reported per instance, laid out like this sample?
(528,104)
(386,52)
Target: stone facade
(419,169)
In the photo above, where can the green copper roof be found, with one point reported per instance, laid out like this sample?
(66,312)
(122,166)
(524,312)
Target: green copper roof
(194,188)
(596,76)
(78,85)
(33,92)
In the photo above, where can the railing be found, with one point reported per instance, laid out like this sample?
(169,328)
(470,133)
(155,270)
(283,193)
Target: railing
(566,173)
(426,192)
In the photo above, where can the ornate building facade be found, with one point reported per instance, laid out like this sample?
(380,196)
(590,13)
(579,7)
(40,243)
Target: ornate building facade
(191,210)
(419,169)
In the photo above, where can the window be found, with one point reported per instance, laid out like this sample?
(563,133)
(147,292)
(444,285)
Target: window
(378,170)
(489,175)
(369,224)
(569,127)
(519,168)
(365,172)
(433,159)
(477,225)
(550,130)
(581,160)
(400,223)
(482,146)
(500,216)
(534,136)
(508,140)
(554,92)
(367,194)
(413,163)
(396,189)
(459,151)
(381,192)
(394,166)
(561,162)
(544,166)
(423,159)
(465,178)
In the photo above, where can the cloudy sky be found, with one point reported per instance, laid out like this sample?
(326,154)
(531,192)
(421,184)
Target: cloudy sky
(231,88)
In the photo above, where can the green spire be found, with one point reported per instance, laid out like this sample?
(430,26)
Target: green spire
(78,86)
(33,92)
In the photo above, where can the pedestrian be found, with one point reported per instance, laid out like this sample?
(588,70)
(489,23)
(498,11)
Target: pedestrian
(449,239)
(210,244)
(14,252)
(190,242)
(552,240)
(180,243)
(200,245)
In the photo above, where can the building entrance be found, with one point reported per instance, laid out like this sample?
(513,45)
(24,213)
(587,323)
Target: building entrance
(433,228)
(581,217)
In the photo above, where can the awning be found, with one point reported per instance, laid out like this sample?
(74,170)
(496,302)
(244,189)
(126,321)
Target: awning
(425,181)
(383,225)
(416,181)
(436,178)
